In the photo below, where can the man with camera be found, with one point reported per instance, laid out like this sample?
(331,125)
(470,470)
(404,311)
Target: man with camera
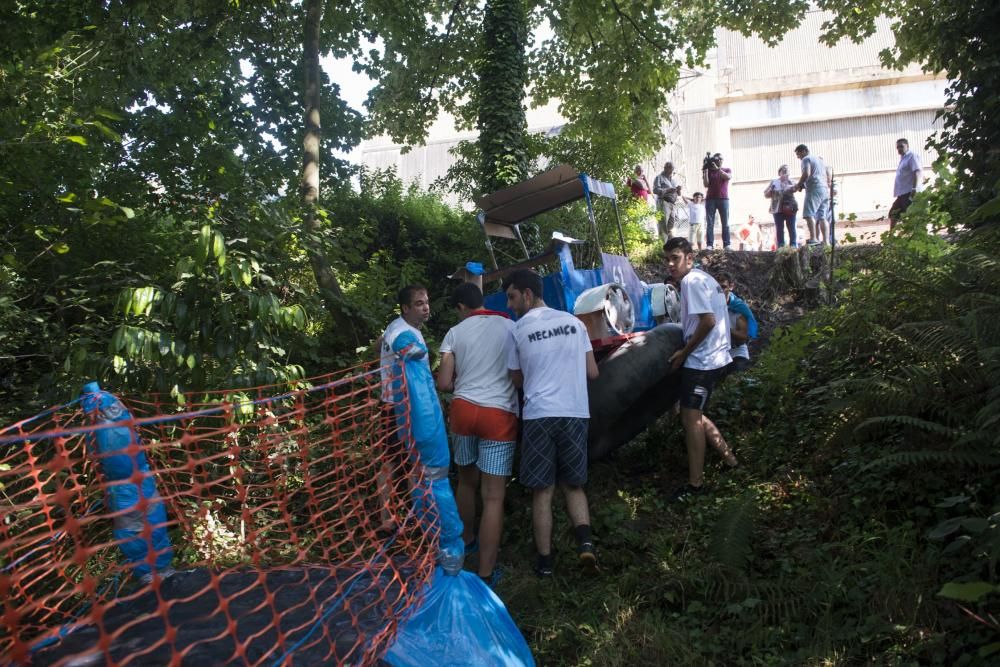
(666,190)
(716,180)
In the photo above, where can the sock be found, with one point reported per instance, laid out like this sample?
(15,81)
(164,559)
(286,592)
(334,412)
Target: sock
(546,561)
(582,533)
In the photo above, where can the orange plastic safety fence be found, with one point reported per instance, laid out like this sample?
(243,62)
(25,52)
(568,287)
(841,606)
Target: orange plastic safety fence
(290,510)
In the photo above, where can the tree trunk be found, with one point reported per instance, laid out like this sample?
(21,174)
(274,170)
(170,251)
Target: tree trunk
(326,279)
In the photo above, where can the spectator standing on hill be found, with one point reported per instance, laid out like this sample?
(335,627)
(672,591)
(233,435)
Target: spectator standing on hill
(666,190)
(705,321)
(817,197)
(784,208)
(482,419)
(639,184)
(716,179)
(551,359)
(907,181)
(696,219)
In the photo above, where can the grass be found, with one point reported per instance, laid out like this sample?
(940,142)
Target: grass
(767,568)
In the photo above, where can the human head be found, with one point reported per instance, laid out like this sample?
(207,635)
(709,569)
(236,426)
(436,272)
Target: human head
(801,151)
(668,168)
(783,171)
(698,197)
(679,257)
(638,170)
(726,282)
(902,145)
(524,290)
(414,305)
(467,297)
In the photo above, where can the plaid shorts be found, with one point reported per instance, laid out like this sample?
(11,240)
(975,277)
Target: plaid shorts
(493,457)
(554,450)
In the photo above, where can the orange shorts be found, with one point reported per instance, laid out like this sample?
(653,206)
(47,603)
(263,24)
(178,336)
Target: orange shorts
(485,423)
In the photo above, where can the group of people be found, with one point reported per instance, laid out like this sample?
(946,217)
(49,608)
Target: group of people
(815,180)
(547,355)
(485,359)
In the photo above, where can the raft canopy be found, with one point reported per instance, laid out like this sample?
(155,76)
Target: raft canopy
(502,212)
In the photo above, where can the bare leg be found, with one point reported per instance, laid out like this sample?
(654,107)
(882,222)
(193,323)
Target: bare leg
(812,228)
(541,519)
(465,498)
(694,438)
(491,525)
(714,438)
(576,505)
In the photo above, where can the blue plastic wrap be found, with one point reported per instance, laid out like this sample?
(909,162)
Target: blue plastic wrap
(431,440)
(460,622)
(121,495)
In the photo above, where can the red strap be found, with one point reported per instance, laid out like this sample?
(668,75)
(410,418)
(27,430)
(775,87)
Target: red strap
(486,311)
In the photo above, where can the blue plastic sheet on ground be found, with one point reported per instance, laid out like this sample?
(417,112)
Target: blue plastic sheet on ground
(460,622)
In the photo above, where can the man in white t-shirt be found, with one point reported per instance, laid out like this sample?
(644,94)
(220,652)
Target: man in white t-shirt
(551,359)
(705,320)
(907,181)
(482,418)
(415,309)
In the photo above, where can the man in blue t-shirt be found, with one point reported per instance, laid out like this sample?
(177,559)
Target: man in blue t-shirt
(744,326)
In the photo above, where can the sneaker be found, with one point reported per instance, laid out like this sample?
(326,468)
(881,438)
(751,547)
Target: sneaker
(812,242)
(588,559)
(685,493)
(472,547)
(543,568)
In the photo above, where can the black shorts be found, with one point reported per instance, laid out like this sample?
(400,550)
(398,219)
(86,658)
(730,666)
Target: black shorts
(554,449)
(899,206)
(696,387)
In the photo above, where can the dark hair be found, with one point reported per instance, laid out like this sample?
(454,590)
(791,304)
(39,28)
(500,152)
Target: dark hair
(697,194)
(405,296)
(902,141)
(468,295)
(725,277)
(678,242)
(802,147)
(523,279)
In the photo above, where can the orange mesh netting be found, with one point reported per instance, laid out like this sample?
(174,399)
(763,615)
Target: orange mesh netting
(290,543)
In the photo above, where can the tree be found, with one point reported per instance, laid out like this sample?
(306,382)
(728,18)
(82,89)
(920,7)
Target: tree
(610,66)
(951,36)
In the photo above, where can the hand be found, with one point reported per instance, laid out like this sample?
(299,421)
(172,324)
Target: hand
(677,359)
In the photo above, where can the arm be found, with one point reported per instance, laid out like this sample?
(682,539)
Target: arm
(592,371)
(517,378)
(806,172)
(705,323)
(725,175)
(704,177)
(446,372)
(769,190)
(740,333)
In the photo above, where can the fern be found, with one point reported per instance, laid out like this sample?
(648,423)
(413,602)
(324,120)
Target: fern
(929,456)
(730,540)
(905,420)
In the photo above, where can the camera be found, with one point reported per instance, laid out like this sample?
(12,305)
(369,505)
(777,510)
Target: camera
(710,161)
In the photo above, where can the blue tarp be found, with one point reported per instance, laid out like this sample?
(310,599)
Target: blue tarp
(119,454)
(561,290)
(460,622)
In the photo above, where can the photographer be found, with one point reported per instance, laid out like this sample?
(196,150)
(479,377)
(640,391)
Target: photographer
(716,180)
(666,190)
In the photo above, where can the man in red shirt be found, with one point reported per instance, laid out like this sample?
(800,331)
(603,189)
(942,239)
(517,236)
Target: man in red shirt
(716,180)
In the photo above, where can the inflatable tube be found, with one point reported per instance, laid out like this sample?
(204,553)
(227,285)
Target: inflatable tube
(635,387)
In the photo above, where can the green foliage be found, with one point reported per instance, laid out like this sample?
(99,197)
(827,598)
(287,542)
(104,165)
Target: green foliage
(503,79)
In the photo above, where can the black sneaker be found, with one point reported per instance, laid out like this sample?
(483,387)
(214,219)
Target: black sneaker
(588,559)
(543,567)
(686,493)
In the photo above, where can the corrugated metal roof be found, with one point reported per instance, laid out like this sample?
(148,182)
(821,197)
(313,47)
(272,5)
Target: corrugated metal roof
(860,144)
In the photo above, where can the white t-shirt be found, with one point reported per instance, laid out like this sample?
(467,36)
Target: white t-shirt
(550,348)
(700,293)
(480,344)
(396,327)
(696,213)
(906,174)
